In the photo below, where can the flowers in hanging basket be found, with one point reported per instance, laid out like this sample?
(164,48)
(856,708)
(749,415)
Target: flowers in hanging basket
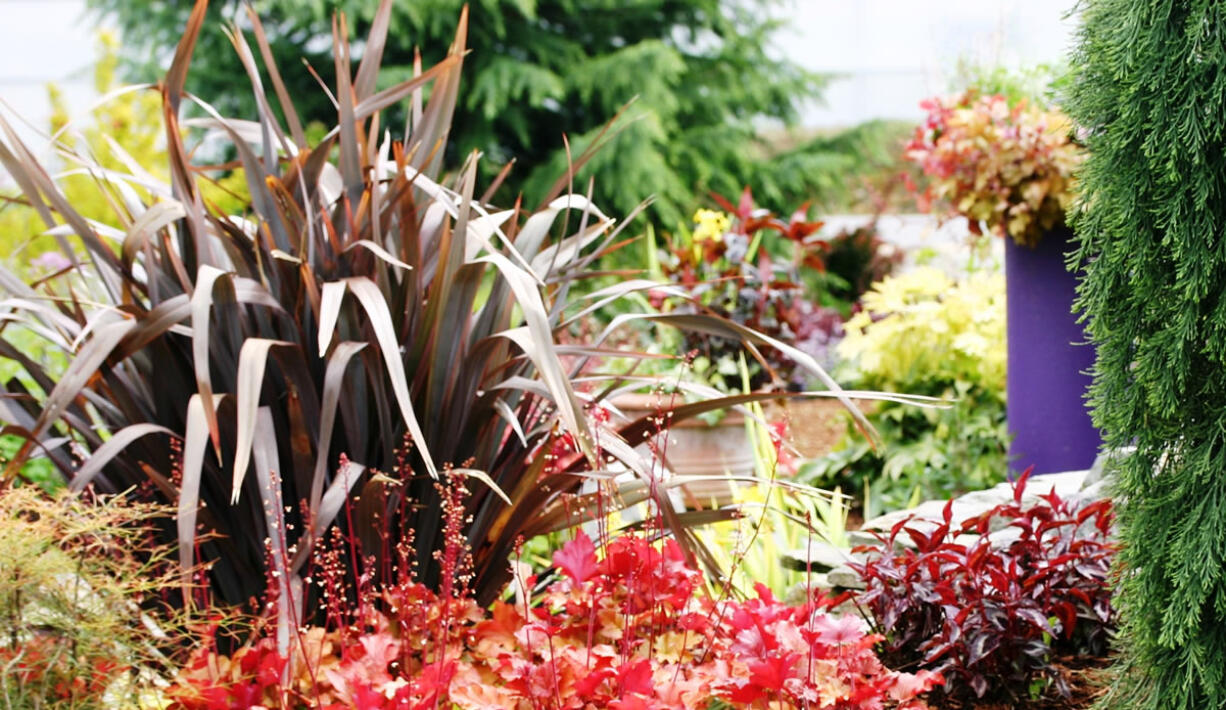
(1007,168)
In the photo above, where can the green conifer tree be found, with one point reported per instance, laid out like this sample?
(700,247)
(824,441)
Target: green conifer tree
(703,71)
(1150,91)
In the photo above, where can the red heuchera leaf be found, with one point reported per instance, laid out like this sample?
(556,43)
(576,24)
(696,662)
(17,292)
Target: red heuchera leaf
(577,558)
(629,629)
(835,631)
(635,677)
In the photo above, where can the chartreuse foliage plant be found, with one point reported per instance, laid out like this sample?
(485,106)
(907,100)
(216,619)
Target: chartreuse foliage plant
(120,133)
(369,323)
(82,612)
(924,333)
(1149,90)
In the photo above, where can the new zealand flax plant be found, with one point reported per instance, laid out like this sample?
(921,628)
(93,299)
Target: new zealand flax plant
(366,323)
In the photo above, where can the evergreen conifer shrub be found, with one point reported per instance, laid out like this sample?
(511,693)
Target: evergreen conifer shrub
(1150,94)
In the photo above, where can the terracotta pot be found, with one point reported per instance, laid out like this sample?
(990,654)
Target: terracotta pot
(692,447)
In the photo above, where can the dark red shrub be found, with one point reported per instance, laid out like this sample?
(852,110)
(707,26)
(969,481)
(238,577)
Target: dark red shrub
(990,612)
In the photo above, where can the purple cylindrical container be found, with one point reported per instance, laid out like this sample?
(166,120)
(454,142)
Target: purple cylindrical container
(1049,361)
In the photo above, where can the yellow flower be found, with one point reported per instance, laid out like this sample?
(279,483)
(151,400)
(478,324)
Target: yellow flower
(710,224)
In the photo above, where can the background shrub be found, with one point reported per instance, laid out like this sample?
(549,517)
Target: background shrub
(924,333)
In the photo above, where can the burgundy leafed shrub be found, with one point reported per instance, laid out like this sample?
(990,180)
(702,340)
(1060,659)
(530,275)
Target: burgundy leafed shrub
(990,615)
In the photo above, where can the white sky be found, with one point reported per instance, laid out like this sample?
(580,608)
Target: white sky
(892,53)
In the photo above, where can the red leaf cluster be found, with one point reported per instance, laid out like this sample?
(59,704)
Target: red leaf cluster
(990,615)
(629,627)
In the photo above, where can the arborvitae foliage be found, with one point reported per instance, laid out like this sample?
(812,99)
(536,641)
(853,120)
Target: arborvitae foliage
(1150,91)
(703,73)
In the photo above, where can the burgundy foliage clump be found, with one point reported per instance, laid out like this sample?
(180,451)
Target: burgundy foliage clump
(992,615)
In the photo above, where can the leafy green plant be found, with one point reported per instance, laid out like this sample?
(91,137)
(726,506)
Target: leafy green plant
(923,333)
(368,324)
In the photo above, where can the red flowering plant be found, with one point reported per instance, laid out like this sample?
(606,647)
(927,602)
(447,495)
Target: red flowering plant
(1006,168)
(627,625)
(744,264)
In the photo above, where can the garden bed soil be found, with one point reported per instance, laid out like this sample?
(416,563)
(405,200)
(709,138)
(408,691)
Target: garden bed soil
(1087,679)
(816,425)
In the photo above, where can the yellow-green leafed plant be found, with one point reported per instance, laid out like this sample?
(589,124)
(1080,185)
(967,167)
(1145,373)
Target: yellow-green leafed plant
(123,133)
(927,334)
(80,618)
(921,331)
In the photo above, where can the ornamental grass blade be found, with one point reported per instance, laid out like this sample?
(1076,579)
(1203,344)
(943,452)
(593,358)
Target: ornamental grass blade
(372,52)
(269,127)
(430,133)
(332,295)
(350,149)
(176,76)
(252,361)
(84,367)
(278,85)
(323,514)
(195,441)
(334,378)
(257,175)
(714,325)
(113,446)
(268,474)
(150,222)
(378,251)
(370,105)
(380,321)
(201,308)
(484,478)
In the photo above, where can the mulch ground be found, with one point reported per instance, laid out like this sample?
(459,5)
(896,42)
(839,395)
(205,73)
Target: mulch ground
(1087,679)
(814,425)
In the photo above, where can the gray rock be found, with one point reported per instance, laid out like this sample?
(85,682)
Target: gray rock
(844,578)
(817,556)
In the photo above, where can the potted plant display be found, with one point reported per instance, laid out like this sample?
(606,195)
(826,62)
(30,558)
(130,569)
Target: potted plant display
(1008,168)
(743,264)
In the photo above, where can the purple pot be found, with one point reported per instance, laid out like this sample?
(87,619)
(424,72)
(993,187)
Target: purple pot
(1049,361)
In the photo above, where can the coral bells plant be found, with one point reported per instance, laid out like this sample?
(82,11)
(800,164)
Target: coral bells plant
(626,625)
(991,614)
(1007,168)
